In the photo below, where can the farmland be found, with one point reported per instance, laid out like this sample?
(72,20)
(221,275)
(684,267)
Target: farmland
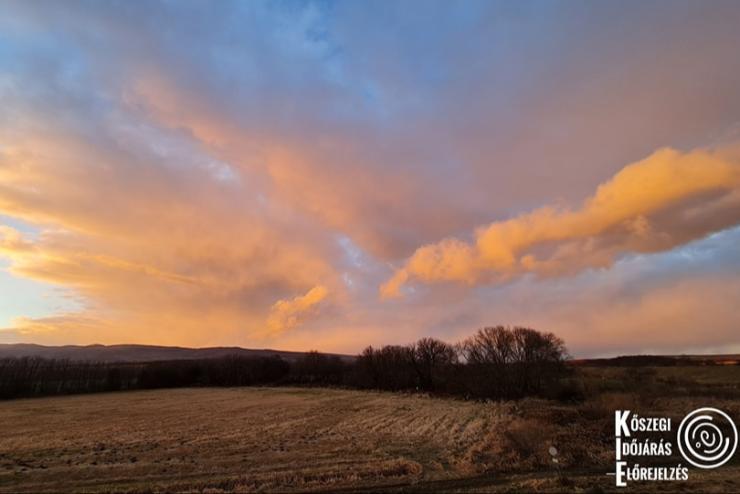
(237,439)
(303,439)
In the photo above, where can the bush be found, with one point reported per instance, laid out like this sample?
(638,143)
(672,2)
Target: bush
(567,391)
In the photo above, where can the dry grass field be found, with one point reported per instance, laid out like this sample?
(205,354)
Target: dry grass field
(310,439)
(237,439)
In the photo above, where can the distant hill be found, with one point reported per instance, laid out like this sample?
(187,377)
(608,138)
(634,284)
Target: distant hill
(658,360)
(138,353)
(153,353)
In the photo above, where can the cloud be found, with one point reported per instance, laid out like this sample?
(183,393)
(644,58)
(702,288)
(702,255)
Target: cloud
(58,328)
(146,231)
(12,242)
(655,204)
(287,314)
(176,168)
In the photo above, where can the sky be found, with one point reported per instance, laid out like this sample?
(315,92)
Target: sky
(332,175)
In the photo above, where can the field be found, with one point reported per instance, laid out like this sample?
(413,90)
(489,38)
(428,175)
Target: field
(303,439)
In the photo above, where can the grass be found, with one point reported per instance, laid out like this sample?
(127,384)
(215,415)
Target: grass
(236,439)
(310,439)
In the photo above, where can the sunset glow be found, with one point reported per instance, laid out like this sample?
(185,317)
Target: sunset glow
(331,175)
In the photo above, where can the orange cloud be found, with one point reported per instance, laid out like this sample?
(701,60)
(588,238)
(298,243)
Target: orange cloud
(156,248)
(12,242)
(287,314)
(663,201)
(332,180)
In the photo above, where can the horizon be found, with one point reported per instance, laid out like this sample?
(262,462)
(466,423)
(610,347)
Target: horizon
(284,350)
(331,176)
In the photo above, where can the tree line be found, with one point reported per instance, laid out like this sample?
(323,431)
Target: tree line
(495,363)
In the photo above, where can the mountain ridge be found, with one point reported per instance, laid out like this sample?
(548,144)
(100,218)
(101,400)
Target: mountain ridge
(141,353)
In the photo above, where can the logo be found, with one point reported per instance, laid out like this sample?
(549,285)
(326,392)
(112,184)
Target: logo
(706,438)
(702,440)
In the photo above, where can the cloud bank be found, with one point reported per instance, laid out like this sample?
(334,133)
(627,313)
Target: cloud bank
(653,205)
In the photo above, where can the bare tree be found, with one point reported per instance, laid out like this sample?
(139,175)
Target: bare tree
(430,359)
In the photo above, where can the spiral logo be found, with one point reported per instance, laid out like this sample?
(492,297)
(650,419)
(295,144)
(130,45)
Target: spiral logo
(703,442)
